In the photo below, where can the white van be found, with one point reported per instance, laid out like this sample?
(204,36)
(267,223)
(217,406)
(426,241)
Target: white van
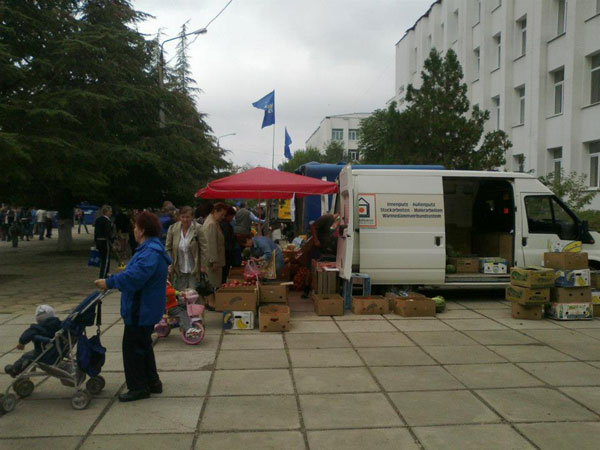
(399,226)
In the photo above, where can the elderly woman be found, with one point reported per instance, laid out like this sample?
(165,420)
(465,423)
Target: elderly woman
(142,285)
(215,255)
(186,245)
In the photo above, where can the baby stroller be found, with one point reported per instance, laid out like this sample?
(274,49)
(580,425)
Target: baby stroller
(68,356)
(181,307)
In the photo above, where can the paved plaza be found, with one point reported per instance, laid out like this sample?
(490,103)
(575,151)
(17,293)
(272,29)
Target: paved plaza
(471,378)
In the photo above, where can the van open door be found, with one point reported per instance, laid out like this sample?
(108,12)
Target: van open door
(345,243)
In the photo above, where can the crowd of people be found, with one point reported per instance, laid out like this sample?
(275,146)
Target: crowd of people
(18,223)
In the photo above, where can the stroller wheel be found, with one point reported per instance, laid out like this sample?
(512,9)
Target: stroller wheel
(162,329)
(95,385)
(8,402)
(193,335)
(81,400)
(24,388)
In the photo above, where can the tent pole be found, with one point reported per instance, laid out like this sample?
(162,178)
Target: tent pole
(273,155)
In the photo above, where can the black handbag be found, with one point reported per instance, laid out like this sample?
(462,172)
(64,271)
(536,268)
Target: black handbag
(203,287)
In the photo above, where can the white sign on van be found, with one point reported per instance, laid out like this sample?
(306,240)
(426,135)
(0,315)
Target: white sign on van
(400,210)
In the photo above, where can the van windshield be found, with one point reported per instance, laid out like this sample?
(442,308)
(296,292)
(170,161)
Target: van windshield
(546,215)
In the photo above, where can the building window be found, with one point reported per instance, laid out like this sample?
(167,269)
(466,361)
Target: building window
(496,108)
(519,162)
(353,155)
(498,48)
(443,39)
(478,11)
(594,150)
(561,25)
(522,26)
(595,79)
(558,77)
(337,134)
(477,54)
(453,30)
(521,95)
(429,44)
(414,61)
(556,155)
(353,135)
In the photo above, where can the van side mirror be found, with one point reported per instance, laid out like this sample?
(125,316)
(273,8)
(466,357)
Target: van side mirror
(584,233)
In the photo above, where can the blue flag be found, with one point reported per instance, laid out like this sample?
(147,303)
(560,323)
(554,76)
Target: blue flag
(268,104)
(288,140)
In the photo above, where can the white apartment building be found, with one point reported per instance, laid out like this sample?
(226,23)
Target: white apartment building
(343,128)
(534,64)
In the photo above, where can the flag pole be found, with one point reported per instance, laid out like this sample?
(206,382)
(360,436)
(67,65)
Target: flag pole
(273,155)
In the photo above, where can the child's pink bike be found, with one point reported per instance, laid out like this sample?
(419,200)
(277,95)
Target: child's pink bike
(194,334)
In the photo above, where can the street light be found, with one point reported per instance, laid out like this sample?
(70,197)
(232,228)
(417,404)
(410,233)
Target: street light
(161,62)
(222,136)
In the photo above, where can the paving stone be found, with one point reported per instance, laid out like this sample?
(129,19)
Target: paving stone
(139,442)
(583,351)
(395,356)
(263,440)
(347,411)
(377,339)
(313,326)
(440,338)
(589,396)
(451,306)
(309,315)
(29,411)
(348,315)
(460,355)
(156,415)
(477,376)
(472,437)
(334,380)
(380,439)
(500,337)
(251,413)
(316,340)
(519,324)
(252,359)
(52,388)
(8,331)
(328,357)
(173,342)
(535,405)
(192,358)
(460,314)
(442,408)
(254,341)
(415,378)
(366,326)
(496,313)
(252,382)
(483,304)
(564,373)
(64,443)
(592,332)
(474,324)
(581,324)
(420,325)
(558,436)
(184,384)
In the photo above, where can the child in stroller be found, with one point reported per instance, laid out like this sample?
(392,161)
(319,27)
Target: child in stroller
(46,326)
(182,311)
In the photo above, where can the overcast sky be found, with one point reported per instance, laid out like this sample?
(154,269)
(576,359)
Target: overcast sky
(322,57)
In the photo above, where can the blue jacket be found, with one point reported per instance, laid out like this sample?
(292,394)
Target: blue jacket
(143,283)
(265,246)
(47,328)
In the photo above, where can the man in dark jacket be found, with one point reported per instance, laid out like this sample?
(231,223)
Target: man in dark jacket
(47,325)
(243,224)
(103,236)
(230,241)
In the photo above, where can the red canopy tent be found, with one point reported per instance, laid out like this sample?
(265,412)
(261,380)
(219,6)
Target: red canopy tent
(264,184)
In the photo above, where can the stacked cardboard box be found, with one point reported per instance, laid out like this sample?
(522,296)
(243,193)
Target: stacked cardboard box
(324,277)
(238,305)
(274,312)
(571,299)
(529,291)
(595,285)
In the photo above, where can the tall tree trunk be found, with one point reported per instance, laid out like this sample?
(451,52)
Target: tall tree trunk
(65,234)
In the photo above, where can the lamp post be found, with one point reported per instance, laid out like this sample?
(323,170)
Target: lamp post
(222,136)
(161,62)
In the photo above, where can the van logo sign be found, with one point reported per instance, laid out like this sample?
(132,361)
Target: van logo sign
(367,210)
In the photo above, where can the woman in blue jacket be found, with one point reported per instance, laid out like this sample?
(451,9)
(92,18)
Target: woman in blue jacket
(142,285)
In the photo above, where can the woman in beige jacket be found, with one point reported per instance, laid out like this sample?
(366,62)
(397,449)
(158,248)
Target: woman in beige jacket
(187,247)
(215,255)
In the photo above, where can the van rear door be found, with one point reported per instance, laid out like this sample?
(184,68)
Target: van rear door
(345,243)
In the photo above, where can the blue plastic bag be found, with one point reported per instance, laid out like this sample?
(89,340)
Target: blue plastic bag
(94,259)
(91,355)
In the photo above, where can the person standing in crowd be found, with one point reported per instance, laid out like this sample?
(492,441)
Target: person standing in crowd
(24,220)
(103,238)
(122,227)
(80,217)
(230,241)
(202,212)
(243,223)
(323,231)
(263,247)
(215,255)
(142,285)
(14,231)
(40,221)
(186,245)
(48,222)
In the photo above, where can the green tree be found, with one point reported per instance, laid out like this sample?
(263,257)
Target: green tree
(437,126)
(571,188)
(334,152)
(302,157)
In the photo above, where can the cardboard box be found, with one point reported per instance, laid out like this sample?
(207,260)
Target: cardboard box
(565,246)
(274,317)
(570,311)
(328,304)
(238,320)
(531,312)
(494,244)
(573,278)
(236,299)
(566,261)
(465,264)
(571,295)
(414,307)
(273,293)
(375,304)
(527,296)
(493,265)
(532,277)
(595,279)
